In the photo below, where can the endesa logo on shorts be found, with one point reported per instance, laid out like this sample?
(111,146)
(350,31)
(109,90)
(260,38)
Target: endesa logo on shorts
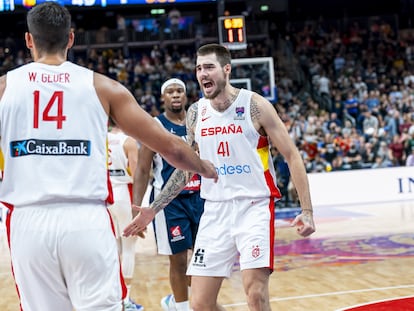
(33,146)
(233,169)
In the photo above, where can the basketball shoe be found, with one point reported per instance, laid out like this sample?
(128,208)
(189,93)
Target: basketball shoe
(130,305)
(168,303)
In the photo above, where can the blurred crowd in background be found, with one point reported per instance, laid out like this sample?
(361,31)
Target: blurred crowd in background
(346,96)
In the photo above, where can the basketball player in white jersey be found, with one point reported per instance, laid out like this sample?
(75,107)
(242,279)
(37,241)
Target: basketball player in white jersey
(53,128)
(233,128)
(122,161)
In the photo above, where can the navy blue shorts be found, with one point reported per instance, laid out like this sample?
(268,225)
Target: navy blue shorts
(176,226)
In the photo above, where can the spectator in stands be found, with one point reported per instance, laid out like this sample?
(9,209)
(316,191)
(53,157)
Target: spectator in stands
(383,152)
(329,153)
(333,118)
(121,27)
(396,94)
(367,154)
(371,78)
(392,121)
(338,105)
(351,106)
(174,17)
(397,151)
(372,101)
(370,124)
(318,165)
(339,63)
(323,84)
(361,89)
(353,158)
(406,123)
(149,103)
(381,162)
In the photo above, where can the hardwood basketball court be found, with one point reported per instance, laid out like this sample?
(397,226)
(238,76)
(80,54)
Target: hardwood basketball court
(359,254)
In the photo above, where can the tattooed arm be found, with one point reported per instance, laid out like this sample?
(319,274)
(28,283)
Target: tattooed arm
(172,188)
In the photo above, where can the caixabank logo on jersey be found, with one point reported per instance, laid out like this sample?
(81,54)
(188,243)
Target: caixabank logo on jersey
(33,146)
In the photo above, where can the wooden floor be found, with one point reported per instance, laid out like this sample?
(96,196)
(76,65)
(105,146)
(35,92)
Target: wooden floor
(359,253)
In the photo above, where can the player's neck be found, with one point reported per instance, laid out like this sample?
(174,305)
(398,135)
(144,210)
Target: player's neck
(50,59)
(225,99)
(176,118)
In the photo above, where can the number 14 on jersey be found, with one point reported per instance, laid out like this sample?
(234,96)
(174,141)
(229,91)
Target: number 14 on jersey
(55,103)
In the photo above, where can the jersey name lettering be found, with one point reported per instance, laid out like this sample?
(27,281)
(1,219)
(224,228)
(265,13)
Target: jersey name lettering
(63,77)
(223,130)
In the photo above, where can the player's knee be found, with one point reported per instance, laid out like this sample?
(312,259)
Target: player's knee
(256,299)
(197,305)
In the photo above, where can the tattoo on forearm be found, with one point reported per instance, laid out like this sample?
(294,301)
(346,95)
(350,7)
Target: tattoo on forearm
(178,179)
(172,188)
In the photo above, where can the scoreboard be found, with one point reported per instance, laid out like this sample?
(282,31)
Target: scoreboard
(10,5)
(232,32)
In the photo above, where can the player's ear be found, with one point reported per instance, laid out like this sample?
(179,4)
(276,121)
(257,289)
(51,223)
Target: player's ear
(29,40)
(71,39)
(227,68)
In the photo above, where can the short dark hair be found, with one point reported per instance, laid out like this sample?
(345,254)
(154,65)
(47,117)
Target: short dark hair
(222,53)
(50,25)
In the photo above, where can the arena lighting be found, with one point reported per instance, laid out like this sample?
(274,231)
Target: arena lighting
(157,11)
(264,8)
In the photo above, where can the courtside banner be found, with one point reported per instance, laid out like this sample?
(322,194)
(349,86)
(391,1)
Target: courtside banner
(362,186)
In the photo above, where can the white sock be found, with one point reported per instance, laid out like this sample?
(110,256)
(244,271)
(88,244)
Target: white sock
(182,306)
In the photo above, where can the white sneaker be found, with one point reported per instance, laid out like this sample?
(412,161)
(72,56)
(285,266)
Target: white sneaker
(130,305)
(168,303)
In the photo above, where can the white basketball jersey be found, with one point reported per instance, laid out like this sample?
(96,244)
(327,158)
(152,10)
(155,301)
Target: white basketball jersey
(119,172)
(240,154)
(53,135)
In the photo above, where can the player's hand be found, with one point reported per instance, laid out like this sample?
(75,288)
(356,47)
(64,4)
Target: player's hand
(141,234)
(208,170)
(304,223)
(139,224)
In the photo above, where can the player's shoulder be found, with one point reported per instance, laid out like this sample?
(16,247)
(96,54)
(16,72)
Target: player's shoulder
(102,81)
(257,98)
(260,103)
